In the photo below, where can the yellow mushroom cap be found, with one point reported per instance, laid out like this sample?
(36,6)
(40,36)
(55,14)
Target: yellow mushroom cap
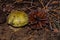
(17,18)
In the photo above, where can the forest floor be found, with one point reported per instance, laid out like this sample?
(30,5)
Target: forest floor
(25,33)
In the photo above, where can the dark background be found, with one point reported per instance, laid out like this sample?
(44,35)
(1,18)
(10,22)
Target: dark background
(28,32)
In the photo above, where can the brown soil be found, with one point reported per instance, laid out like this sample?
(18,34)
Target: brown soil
(25,33)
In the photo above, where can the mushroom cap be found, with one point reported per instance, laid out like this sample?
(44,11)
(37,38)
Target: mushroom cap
(17,18)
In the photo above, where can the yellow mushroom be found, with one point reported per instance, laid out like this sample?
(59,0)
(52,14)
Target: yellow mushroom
(17,18)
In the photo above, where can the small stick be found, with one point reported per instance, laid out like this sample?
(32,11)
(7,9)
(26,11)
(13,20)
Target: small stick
(41,3)
(48,3)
